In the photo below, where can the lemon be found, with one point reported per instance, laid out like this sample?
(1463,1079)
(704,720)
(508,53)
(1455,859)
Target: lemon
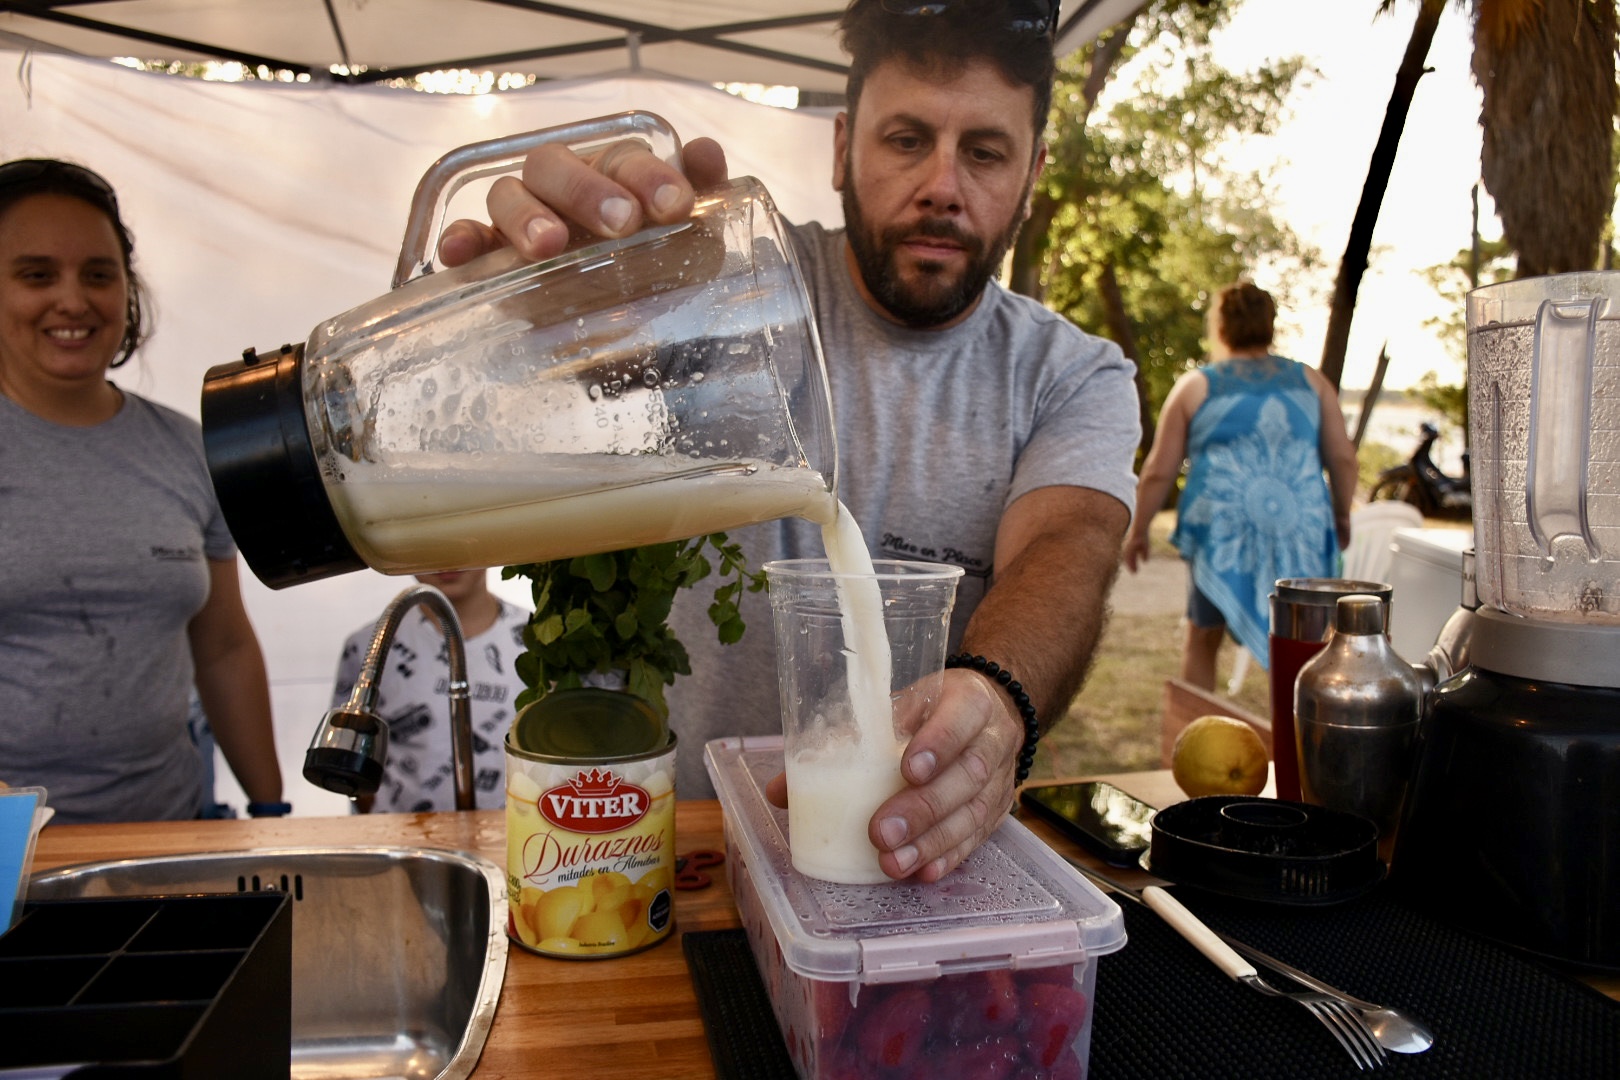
(1218,755)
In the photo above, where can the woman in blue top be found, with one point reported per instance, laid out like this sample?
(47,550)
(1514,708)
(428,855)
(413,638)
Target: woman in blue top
(1257,431)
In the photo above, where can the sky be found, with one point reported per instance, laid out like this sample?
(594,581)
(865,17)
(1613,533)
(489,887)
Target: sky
(1318,163)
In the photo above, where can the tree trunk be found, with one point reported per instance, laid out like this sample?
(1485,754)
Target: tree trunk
(1547,71)
(1025,274)
(1124,335)
(1029,250)
(1354,263)
(1368,400)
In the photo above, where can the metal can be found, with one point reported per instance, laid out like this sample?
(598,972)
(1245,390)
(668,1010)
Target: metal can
(590,833)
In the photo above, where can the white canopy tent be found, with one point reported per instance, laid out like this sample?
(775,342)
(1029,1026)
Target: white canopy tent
(261,208)
(775,42)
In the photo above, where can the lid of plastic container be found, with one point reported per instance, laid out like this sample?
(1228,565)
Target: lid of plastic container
(1439,547)
(1014,903)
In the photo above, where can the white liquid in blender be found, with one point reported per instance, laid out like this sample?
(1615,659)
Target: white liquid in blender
(833,790)
(537,507)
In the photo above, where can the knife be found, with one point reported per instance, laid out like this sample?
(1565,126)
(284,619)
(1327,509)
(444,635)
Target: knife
(1199,934)
(1392,1028)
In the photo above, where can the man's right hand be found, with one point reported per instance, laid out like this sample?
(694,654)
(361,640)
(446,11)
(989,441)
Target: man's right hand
(611,194)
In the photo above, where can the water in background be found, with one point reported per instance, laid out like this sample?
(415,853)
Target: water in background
(1395,424)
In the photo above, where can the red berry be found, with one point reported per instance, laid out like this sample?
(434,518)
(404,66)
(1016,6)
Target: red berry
(977,1004)
(1068,1067)
(892,1031)
(1057,975)
(989,1059)
(1053,1016)
(830,1001)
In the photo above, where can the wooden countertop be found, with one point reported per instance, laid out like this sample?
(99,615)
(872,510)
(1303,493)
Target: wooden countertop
(634,1016)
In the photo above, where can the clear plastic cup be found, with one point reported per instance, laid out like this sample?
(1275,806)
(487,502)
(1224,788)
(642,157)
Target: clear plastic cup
(859,658)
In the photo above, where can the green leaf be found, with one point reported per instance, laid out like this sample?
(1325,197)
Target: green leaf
(549,629)
(627,624)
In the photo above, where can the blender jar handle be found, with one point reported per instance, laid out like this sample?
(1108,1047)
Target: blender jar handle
(1561,423)
(493,156)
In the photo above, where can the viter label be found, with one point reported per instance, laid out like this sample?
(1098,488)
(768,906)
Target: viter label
(594,801)
(590,857)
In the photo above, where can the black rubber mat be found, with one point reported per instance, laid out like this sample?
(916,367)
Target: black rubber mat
(744,1040)
(1163,1011)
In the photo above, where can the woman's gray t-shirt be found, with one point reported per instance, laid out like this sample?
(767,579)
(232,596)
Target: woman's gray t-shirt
(104,548)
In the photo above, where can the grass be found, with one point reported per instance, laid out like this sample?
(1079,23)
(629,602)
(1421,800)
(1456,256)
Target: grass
(1113,724)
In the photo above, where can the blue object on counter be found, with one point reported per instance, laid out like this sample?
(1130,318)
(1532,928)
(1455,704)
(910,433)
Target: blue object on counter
(18,809)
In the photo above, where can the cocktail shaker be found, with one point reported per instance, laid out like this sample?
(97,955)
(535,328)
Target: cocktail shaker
(1356,710)
(1302,611)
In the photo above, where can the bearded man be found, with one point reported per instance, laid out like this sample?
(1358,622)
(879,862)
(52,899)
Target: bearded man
(975,427)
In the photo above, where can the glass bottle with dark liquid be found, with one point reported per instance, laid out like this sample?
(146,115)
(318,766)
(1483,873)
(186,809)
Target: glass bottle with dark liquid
(1302,611)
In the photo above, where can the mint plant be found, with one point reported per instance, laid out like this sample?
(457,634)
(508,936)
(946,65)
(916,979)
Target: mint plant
(608,612)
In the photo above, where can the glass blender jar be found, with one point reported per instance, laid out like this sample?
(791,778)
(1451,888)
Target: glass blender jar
(1513,804)
(626,392)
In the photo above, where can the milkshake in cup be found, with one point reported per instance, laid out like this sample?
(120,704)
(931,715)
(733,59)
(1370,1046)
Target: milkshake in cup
(860,657)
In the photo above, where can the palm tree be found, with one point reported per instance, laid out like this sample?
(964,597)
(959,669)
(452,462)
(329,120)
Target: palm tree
(1359,243)
(1547,72)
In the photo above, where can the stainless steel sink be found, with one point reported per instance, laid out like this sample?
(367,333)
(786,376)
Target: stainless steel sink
(398,952)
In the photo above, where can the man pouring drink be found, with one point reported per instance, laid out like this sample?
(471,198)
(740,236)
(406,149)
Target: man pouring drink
(975,427)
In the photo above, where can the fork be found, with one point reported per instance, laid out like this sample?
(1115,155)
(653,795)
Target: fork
(1341,1021)
(1391,1028)
(1347,1026)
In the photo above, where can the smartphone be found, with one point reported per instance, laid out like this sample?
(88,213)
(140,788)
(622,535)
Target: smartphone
(1096,815)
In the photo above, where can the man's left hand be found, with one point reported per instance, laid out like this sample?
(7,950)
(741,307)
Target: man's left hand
(959,769)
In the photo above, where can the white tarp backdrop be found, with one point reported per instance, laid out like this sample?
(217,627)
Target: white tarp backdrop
(260,209)
(776,42)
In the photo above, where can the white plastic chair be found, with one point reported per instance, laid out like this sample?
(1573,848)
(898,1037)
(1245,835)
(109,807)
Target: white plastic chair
(1372,532)
(1368,558)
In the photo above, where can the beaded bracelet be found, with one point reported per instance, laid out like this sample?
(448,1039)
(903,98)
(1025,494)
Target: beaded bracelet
(1026,709)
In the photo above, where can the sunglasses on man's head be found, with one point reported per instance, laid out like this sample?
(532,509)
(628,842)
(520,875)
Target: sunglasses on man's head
(1023,16)
(28,170)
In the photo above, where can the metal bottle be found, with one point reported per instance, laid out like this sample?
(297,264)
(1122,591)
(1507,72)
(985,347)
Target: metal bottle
(1357,705)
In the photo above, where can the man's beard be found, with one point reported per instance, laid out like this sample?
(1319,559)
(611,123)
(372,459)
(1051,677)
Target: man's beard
(936,299)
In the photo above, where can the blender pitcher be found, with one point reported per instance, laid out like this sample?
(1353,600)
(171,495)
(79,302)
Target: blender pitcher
(1512,802)
(1544,420)
(626,392)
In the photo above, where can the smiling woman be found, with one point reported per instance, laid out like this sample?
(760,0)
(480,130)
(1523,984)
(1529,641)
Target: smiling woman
(118,572)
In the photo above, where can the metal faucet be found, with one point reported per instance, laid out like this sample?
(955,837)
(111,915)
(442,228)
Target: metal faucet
(351,743)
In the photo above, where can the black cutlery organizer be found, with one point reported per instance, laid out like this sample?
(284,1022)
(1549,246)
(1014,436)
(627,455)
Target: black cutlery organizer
(163,986)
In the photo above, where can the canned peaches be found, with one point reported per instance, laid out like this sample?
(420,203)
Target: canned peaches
(590,851)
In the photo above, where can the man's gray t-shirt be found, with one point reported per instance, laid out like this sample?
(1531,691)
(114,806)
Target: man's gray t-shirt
(939,431)
(104,548)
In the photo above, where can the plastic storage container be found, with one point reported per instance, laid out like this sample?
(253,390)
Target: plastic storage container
(176,986)
(987,973)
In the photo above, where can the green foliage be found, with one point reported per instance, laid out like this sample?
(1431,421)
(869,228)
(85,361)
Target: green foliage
(1451,402)
(1143,188)
(596,614)
(1372,458)
(1455,279)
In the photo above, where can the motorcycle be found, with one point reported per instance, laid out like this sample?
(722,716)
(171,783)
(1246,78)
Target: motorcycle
(1423,484)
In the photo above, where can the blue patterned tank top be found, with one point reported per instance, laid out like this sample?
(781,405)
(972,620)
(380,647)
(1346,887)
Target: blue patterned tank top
(1256,506)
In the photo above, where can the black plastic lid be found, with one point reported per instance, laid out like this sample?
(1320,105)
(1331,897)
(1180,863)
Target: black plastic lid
(1271,850)
(263,466)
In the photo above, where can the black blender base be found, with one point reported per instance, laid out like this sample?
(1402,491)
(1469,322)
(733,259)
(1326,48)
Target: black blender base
(1512,828)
